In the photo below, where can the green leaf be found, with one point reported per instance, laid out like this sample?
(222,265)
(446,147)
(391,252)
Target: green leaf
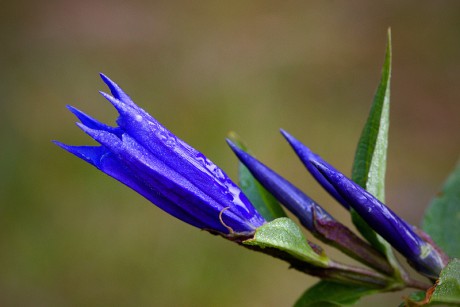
(447,289)
(283,234)
(265,203)
(371,155)
(327,293)
(442,218)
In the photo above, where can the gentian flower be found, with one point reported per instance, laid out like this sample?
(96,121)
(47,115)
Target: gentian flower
(316,219)
(422,254)
(144,155)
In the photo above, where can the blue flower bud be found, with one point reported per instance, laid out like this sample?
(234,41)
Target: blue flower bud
(144,155)
(306,155)
(422,255)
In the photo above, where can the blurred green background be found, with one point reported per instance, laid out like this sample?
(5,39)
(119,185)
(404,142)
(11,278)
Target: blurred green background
(71,236)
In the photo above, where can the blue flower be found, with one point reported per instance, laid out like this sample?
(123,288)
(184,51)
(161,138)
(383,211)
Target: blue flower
(421,254)
(144,155)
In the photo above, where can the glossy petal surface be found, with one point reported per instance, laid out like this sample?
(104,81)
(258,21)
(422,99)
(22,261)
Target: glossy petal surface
(144,155)
(385,222)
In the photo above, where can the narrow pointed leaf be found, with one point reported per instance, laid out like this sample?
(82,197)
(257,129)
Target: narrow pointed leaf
(328,293)
(442,218)
(283,234)
(371,154)
(265,203)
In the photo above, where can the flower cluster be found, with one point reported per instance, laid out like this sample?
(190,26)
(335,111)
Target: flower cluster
(419,250)
(144,155)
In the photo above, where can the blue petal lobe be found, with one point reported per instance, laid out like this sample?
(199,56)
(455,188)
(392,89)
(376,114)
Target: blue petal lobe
(90,154)
(116,91)
(91,122)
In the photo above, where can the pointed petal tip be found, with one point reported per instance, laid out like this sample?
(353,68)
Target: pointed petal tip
(69,148)
(236,150)
(301,149)
(234,147)
(72,109)
(292,140)
(62,145)
(79,114)
(230,143)
(116,90)
(117,103)
(105,95)
(86,129)
(285,133)
(317,167)
(66,147)
(107,81)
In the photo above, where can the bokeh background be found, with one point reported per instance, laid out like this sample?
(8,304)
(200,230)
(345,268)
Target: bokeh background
(71,236)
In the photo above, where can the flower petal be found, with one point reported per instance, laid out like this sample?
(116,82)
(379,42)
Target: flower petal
(116,91)
(93,123)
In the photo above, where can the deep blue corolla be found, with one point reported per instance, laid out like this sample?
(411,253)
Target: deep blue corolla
(144,155)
